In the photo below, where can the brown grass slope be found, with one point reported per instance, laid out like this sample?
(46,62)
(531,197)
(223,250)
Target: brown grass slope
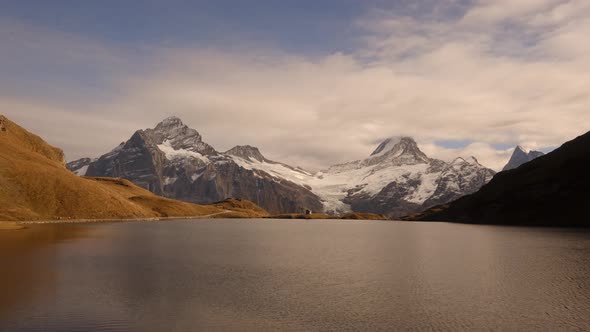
(239,208)
(35,185)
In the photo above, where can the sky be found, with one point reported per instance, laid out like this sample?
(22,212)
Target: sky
(311,83)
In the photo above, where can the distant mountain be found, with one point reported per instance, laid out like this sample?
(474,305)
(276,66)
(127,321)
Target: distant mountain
(172,160)
(520,156)
(396,179)
(80,166)
(35,184)
(551,190)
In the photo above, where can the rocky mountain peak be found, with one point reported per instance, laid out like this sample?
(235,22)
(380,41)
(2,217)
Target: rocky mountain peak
(397,150)
(521,156)
(173,127)
(395,143)
(247,152)
(169,123)
(173,133)
(386,145)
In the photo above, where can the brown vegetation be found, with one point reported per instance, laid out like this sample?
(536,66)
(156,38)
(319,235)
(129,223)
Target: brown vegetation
(424,214)
(239,208)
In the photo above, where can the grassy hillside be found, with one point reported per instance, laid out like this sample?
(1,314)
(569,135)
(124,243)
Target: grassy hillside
(35,185)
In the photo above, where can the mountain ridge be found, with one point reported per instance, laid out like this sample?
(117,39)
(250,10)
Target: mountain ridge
(172,160)
(397,177)
(521,156)
(36,185)
(550,190)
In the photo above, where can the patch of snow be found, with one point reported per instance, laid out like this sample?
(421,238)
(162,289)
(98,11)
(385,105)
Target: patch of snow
(425,190)
(276,170)
(169,180)
(81,171)
(172,154)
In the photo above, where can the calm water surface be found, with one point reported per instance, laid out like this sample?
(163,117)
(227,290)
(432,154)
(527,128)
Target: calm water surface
(293,275)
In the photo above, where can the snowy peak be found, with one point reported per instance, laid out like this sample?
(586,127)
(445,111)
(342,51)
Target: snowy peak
(395,144)
(386,146)
(394,151)
(247,152)
(179,137)
(172,127)
(397,151)
(521,156)
(169,123)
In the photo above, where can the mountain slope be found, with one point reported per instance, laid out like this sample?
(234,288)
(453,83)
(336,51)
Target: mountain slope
(551,190)
(172,160)
(520,156)
(35,184)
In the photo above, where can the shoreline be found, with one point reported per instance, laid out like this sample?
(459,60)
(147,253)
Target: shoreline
(10,226)
(23,223)
(17,225)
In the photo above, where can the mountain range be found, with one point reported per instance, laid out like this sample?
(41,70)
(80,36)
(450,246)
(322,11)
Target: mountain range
(36,185)
(551,190)
(172,160)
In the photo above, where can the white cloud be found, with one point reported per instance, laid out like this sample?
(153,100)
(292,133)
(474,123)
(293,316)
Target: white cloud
(505,72)
(494,158)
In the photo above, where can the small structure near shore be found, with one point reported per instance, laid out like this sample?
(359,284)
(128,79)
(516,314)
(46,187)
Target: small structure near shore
(307,211)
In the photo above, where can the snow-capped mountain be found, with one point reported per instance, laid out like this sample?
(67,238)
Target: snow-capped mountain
(396,179)
(172,160)
(521,156)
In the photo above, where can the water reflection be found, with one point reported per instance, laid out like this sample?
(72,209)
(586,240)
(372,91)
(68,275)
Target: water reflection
(27,263)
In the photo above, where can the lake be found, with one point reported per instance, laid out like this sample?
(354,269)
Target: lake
(293,275)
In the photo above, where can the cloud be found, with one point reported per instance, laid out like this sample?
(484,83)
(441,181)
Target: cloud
(495,159)
(494,72)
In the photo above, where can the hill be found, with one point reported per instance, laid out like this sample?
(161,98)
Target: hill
(36,185)
(551,190)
